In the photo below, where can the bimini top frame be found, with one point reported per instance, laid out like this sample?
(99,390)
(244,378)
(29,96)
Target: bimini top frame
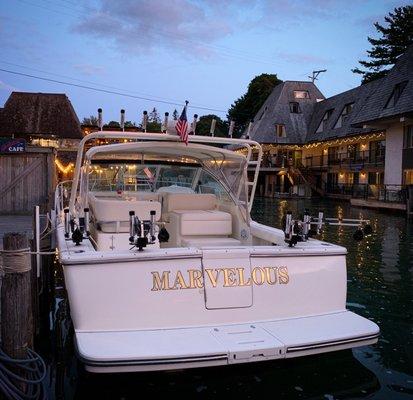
(249,145)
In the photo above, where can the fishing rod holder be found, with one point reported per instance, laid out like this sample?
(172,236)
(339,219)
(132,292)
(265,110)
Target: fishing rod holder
(76,229)
(300,230)
(141,232)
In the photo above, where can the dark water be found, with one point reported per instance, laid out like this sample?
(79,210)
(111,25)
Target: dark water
(380,287)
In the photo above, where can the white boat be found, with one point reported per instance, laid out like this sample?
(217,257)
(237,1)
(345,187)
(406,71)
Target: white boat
(165,269)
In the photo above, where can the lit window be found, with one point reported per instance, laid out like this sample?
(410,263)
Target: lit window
(348,108)
(323,123)
(395,95)
(280,130)
(301,94)
(295,108)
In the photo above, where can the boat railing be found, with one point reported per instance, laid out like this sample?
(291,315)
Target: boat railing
(62,196)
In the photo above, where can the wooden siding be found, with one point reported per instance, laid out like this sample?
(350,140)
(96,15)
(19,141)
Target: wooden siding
(26,180)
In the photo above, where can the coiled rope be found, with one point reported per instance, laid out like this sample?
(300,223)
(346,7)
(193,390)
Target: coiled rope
(18,261)
(28,373)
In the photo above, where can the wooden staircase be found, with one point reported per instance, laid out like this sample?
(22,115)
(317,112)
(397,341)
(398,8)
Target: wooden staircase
(308,178)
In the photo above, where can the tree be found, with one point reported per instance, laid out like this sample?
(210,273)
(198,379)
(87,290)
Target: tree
(92,120)
(203,126)
(243,110)
(175,114)
(154,116)
(113,124)
(130,124)
(394,40)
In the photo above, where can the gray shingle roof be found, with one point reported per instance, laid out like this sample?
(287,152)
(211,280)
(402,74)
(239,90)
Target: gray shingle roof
(374,108)
(27,114)
(276,110)
(358,96)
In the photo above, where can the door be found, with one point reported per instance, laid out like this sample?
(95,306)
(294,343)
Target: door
(227,278)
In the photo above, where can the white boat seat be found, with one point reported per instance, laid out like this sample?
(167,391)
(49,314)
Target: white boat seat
(188,201)
(112,214)
(200,241)
(203,222)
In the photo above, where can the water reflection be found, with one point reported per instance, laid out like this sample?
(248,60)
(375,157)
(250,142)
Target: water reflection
(380,287)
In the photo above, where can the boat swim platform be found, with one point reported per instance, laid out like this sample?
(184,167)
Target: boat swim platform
(180,348)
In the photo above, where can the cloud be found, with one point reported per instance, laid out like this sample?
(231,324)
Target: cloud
(133,27)
(89,69)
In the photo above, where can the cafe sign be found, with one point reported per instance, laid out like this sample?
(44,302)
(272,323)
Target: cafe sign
(10,145)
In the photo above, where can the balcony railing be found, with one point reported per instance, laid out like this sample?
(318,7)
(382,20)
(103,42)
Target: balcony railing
(355,160)
(385,193)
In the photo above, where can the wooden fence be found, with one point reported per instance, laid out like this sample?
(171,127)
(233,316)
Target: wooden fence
(27,179)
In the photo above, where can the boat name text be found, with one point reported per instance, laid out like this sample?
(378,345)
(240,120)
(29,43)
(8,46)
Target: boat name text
(226,277)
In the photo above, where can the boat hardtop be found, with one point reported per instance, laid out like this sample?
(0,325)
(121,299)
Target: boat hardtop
(165,268)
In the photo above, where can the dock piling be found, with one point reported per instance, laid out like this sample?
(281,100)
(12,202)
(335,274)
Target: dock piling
(16,297)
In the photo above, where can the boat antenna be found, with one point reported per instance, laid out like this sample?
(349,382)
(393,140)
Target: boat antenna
(314,77)
(193,125)
(212,129)
(165,123)
(100,119)
(122,119)
(144,120)
(231,128)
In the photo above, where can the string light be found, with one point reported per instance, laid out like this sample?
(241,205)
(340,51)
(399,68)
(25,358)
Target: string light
(64,169)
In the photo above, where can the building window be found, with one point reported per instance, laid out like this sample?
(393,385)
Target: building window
(395,96)
(323,123)
(295,108)
(348,108)
(301,94)
(280,130)
(408,137)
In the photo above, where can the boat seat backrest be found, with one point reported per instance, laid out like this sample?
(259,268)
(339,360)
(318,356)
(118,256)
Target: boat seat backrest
(189,201)
(112,214)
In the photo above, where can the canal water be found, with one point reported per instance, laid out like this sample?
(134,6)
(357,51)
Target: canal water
(380,287)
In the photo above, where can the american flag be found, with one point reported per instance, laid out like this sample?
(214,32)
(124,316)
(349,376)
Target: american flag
(182,125)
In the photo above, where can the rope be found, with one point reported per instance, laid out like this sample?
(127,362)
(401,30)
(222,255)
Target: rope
(30,371)
(15,261)
(18,261)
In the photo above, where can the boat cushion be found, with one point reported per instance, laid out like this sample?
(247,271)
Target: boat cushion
(204,222)
(188,201)
(112,215)
(200,241)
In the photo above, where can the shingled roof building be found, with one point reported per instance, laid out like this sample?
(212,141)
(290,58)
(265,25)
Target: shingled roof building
(356,144)
(35,116)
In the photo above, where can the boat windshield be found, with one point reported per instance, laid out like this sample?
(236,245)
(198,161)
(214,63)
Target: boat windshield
(148,177)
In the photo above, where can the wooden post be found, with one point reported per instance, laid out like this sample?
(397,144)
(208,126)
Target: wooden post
(16,307)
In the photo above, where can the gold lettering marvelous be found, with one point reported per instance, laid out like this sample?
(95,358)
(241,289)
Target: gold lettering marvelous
(219,277)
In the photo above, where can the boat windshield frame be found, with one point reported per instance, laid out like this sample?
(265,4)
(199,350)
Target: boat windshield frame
(137,140)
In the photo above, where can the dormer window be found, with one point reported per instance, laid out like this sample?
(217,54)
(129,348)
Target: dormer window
(295,108)
(301,94)
(323,123)
(395,95)
(348,108)
(280,131)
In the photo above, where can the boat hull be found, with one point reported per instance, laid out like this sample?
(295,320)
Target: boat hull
(188,308)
